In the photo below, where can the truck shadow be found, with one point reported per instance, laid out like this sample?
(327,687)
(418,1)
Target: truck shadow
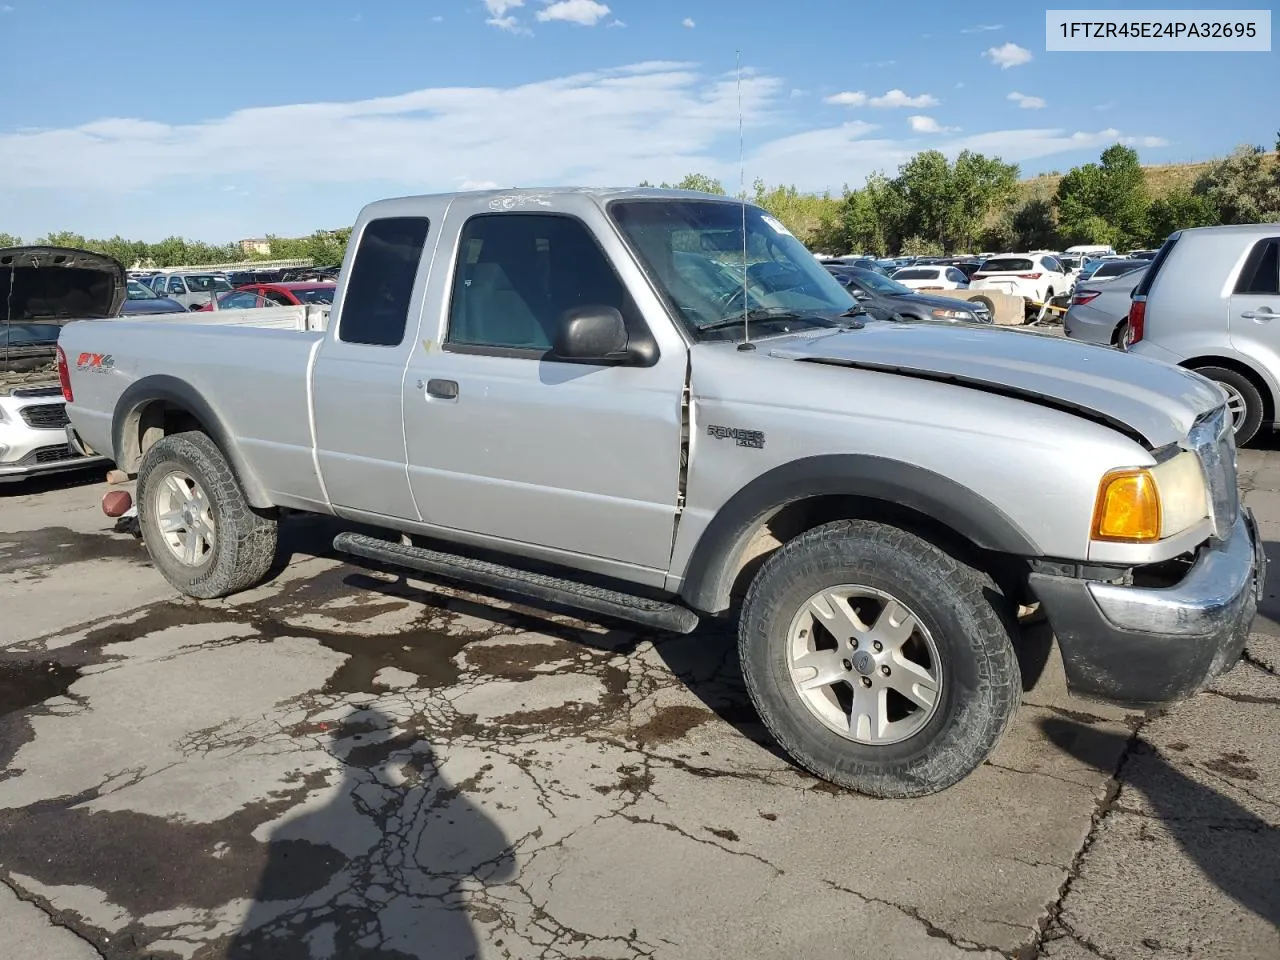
(1233,848)
(378,869)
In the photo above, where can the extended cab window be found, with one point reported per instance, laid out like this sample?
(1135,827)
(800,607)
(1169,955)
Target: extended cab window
(375,309)
(518,273)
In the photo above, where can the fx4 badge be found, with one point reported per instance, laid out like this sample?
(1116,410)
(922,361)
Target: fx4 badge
(744,438)
(95,362)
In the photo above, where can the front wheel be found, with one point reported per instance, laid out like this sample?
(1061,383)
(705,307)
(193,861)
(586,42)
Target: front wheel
(878,661)
(199,529)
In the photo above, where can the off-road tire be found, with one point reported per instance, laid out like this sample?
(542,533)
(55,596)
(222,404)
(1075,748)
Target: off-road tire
(969,618)
(1248,391)
(245,543)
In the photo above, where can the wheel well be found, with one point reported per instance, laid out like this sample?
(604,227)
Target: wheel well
(1268,401)
(793,519)
(149,423)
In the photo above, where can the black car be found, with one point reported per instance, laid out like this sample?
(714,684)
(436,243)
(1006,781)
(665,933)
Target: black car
(887,299)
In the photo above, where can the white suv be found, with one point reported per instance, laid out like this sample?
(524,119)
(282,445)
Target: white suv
(1035,276)
(1211,301)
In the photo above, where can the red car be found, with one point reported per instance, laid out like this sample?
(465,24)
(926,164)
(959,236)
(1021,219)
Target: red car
(274,295)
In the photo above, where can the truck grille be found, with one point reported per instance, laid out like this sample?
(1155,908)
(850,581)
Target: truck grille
(46,416)
(1214,442)
(42,455)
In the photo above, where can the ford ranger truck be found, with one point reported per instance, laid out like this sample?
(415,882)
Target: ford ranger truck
(657,405)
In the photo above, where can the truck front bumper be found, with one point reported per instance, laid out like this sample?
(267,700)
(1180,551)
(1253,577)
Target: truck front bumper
(1144,646)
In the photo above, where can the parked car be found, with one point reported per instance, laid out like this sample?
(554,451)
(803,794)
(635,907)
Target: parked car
(142,299)
(1035,276)
(1210,301)
(1091,250)
(967,267)
(192,290)
(45,287)
(886,299)
(1098,311)
(931,278)
(1102,269)
(274,295)
(528,374)
(1072,265)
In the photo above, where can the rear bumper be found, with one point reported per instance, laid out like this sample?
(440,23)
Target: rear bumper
(1144,646)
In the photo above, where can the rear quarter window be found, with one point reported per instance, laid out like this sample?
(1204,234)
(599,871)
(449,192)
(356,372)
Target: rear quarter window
(1007,265)
(375,307)
(1144,285)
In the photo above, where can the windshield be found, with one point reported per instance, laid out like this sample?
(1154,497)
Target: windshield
(140,291)
(319,295)
(879,283)
(1007,265)
(693,250)
(200,283)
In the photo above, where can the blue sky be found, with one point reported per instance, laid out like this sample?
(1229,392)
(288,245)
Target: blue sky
(245,118)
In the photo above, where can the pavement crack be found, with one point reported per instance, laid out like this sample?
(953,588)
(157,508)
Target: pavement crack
(673,828)
(1253,661)
(1102,808)
(44,908)
(930,927)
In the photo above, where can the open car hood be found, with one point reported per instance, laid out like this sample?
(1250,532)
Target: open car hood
(51,284)
(1144,398)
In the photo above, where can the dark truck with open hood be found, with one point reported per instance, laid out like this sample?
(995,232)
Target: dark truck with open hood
(41,288)
(658,406)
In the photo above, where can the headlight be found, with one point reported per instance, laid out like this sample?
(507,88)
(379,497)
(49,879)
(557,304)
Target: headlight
(1142,505)
(943,314)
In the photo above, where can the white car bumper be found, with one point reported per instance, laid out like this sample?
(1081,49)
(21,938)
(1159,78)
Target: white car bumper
(33,437)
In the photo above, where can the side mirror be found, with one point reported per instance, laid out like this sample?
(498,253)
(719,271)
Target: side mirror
(591,333)
(859,294)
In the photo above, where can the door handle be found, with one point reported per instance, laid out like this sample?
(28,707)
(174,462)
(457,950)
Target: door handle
(442,389)
(1261,315)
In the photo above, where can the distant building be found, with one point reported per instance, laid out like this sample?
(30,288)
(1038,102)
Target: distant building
(255,245)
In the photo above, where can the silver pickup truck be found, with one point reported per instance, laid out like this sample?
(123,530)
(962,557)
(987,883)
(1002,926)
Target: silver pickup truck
(658,406)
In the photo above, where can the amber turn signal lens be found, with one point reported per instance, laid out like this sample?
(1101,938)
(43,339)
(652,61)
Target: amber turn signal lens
(1128,507)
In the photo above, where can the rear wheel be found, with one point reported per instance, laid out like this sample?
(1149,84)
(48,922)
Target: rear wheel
(197,525)
(878,661)
(986,302)
(1244,400)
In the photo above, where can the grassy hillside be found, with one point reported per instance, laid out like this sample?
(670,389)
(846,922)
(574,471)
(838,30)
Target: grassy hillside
(1161,179)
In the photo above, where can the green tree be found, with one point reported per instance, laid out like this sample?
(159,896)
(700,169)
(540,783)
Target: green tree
(10,240)
(947,203)
(917,246)
(1034,225)
(1104,202)
(1179,209)
(700,182)
(1244,187)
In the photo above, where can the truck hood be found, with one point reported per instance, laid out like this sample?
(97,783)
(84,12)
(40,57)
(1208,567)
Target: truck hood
(57,283)
(1150,400)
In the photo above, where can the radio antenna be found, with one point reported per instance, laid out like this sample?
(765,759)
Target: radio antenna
(742,202)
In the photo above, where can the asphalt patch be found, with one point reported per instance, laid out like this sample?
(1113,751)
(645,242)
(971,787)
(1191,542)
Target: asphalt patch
(34,551)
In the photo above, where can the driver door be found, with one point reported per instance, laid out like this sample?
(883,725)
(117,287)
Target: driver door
(509,444)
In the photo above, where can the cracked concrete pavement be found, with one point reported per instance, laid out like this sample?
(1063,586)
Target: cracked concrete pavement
(344,763)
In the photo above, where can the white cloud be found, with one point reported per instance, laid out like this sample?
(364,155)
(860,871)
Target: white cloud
(5,8)
(586,13)
(1105,106)
(882,63)
(983,28)
(959,84)
(615,23)
(797,93)
(1143,141)
(1008,55)
(850,98)
(921,124)
(657,121)
(896,98)
(500,17)
(437,19)
(688,23)
(465,184)
(1026,102)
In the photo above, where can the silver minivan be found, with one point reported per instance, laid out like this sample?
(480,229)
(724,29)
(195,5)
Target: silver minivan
(1211,301)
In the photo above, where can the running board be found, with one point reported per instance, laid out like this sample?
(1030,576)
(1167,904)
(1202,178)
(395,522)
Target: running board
(570,593)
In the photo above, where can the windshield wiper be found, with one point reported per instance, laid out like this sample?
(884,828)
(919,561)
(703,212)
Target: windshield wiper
(762,314)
